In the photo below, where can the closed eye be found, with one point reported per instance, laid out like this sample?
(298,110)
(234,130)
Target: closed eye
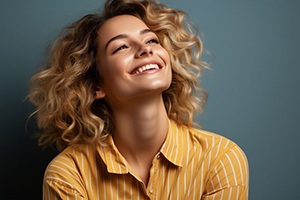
(120,48)
(155,41)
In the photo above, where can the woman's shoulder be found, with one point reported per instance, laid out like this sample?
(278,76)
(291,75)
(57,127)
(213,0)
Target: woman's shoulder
(200,139)
(72,157)
(214,143)
(210,138)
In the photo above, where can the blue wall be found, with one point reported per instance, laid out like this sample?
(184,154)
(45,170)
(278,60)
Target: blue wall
(253,86)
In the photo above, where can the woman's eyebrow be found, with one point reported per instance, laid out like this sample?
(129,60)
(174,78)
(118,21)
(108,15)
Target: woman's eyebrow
(122,36)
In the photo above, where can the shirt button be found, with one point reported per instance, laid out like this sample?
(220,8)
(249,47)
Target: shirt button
(158,156)
(151,191)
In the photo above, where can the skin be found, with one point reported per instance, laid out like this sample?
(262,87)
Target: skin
(125,43)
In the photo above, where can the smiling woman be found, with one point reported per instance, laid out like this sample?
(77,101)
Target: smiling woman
(131,62)
(118,96)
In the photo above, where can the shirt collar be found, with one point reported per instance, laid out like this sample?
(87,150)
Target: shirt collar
(171,149)
(113,159)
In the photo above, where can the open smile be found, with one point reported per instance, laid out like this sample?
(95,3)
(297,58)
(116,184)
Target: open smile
(148,67)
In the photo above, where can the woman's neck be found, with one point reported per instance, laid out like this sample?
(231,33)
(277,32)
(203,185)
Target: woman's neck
(140,125)
(140,129)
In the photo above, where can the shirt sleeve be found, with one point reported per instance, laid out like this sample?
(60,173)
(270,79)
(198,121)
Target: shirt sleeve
(229,176)
(55,190)
(62,180)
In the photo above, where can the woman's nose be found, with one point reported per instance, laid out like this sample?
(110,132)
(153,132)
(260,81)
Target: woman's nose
(144,50)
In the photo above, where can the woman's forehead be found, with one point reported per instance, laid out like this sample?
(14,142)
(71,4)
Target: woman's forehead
(122,24)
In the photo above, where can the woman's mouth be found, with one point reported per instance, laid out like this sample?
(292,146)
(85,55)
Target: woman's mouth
(145,68)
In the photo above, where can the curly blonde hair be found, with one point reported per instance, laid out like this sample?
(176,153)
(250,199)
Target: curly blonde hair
(64,91)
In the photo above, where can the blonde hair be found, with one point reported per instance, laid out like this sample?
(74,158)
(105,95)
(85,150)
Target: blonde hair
(64,91)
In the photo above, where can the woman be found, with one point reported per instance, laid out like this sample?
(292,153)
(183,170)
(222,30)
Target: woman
(118,96)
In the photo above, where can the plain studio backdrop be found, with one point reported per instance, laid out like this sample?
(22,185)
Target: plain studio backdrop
(253,86)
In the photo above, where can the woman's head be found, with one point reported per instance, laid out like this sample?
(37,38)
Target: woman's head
(65,92)
(131,62)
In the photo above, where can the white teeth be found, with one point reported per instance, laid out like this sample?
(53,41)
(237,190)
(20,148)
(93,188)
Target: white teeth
(146,67)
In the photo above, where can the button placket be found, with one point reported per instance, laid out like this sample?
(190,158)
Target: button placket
(153,176)
(158,156)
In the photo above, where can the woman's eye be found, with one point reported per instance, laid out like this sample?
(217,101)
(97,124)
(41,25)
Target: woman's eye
(155,41)
(120,48)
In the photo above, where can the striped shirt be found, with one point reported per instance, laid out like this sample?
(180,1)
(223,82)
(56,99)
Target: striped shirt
(192,164)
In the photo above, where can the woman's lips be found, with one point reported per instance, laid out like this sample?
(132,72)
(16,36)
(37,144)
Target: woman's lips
(145,68)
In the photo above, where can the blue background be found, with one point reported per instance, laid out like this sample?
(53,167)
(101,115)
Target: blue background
(253,86)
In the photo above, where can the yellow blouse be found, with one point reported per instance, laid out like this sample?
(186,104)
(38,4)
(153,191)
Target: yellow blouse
(192,164)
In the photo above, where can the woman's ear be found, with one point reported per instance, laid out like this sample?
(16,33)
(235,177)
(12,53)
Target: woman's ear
(99,93)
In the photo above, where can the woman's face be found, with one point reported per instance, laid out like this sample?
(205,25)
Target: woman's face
(131,61)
